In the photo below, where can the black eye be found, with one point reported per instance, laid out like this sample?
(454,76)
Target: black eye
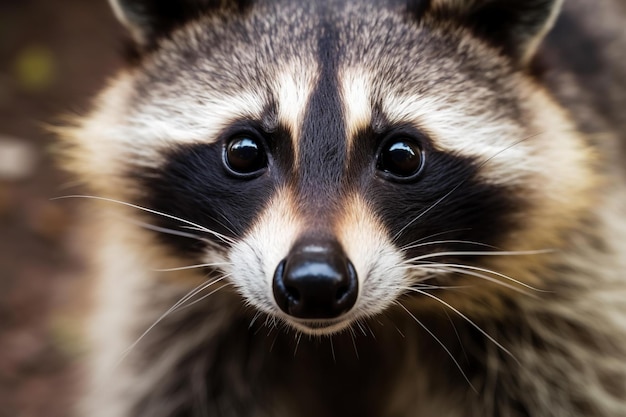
(400,159)
(244,156)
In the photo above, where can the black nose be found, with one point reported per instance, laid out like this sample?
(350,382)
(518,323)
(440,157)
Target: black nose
(315,281)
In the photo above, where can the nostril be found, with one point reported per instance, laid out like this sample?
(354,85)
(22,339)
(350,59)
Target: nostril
(347,292)
(282,295)
(341,292)
(293,293)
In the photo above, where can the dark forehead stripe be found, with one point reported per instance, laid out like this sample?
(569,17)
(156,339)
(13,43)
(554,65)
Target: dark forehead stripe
(322,147)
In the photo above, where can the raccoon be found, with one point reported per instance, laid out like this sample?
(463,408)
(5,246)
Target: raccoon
(359,208)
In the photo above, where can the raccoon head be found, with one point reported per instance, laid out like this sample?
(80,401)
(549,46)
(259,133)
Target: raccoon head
(340,158)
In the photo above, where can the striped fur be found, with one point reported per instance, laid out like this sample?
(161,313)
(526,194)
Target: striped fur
(491,285)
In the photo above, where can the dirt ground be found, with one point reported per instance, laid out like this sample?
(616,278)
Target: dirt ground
(54,55)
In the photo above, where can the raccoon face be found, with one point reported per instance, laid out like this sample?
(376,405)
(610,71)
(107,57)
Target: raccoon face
(339,158)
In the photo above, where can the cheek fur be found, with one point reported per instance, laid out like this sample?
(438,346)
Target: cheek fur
(377,262)
(256,256)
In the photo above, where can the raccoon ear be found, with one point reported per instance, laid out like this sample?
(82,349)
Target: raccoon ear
(148,20)
(515,26)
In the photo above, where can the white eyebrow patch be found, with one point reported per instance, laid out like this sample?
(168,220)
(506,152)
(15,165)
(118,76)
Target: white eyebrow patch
(124,130)
(454,128)
(482,135)
(355,95)
(191,117)
(293,91)
(508,152)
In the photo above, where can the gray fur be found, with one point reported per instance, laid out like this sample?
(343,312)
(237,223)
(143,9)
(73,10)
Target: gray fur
(565,344)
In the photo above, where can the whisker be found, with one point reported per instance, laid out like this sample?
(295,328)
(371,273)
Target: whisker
(353,337)
(435,235)
(298,338)
(223,216)
(489,271)
(196,291)
(438,287)
(402,335)
(360,326)
(275,338)
(439,242)
(254,319)
(220,236)
(423,326)
(206,295)
(456,332)
(173,308)
(421,279)
(477,253)
(182,268)
(166,230)
(485,277)
(464,317)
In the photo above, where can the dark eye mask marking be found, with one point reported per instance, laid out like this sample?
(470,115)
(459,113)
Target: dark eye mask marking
(194,185)
(416,209)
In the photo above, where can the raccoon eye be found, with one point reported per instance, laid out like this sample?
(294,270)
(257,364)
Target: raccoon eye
(244,156)
(400,159)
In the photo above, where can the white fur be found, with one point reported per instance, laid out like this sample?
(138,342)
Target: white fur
(257,255)
(293,89)
(377,261)
(355,87)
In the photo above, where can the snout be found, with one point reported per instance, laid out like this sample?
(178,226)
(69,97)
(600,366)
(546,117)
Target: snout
(315,281)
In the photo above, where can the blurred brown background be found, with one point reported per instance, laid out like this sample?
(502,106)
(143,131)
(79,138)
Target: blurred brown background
(54,55)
